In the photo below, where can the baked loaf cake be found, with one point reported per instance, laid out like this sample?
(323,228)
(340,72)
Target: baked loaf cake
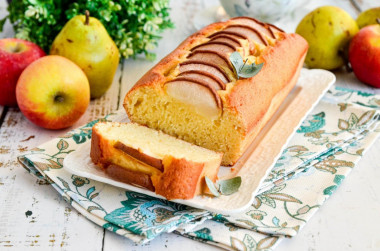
(148,158)
(194,94)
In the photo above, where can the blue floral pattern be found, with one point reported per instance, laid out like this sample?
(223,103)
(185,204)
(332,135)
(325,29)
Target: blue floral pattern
(323,151)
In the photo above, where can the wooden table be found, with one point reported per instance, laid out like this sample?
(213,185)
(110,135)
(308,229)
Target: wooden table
(34,217)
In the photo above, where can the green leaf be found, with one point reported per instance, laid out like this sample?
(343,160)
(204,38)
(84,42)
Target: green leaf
(230,186)
(242,69)
(212,187)
(236,61)
(248,71)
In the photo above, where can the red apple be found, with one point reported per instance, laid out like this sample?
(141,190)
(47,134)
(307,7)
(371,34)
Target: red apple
(15,56)
(53,92)
(364,55)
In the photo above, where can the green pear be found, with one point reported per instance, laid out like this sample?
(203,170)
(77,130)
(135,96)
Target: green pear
(368,17)
(85,41)
(328,30)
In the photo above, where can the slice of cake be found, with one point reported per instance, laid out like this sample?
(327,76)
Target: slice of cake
(148,158)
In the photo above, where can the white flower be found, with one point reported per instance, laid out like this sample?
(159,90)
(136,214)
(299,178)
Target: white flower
(30,12)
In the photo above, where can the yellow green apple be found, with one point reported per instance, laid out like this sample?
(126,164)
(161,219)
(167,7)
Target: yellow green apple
(53,92)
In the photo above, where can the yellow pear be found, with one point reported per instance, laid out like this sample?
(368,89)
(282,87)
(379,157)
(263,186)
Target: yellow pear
(328,30)
(85,41)
(368,17)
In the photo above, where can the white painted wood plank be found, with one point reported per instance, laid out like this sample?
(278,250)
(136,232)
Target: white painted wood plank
(32,214)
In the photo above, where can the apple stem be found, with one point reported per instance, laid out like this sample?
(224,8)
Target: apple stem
(378,20)
(16,48)
(87,13)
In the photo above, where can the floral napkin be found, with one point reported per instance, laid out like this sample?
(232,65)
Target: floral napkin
(317,159)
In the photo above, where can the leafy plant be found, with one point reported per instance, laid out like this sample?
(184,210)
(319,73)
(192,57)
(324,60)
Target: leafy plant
(134,25)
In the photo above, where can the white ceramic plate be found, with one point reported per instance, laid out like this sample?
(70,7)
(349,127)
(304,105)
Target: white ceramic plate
(256,162)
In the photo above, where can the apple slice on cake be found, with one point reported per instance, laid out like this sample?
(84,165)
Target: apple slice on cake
(248,33)
(197,93)
(211,68)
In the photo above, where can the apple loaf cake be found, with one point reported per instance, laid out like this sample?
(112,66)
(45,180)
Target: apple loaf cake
(148,158)
(194,92)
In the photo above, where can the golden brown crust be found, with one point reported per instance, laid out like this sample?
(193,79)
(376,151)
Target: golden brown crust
(251,97)
(130,177)
(179,180)
(96,152)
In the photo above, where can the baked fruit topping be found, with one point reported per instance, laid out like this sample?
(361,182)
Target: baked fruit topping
(205,76)
(232,40)
(211,68)
(259,26)
(248,32)
(197,93)
(211,57)
(215,46)
(183,95)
